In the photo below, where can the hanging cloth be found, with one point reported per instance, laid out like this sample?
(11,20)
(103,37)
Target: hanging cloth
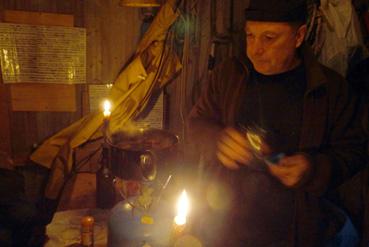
(343,44)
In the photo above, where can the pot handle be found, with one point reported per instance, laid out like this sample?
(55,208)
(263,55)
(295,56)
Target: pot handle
(148,165)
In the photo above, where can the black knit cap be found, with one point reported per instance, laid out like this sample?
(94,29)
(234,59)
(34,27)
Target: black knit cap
(277,10)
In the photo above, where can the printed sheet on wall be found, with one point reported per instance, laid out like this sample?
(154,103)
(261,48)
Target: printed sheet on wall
(42,54)
(152,116)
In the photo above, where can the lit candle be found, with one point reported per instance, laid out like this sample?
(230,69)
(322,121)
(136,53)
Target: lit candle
(107,109)
(106,113)
(183,205)
(180,219)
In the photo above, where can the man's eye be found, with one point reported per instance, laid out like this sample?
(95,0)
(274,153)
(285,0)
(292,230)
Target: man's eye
(269,37)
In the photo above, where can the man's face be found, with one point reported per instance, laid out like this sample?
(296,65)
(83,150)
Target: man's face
(272,46)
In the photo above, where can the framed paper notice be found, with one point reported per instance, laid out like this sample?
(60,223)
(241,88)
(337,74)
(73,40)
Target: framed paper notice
(154,114)
(97,94)
(42,54)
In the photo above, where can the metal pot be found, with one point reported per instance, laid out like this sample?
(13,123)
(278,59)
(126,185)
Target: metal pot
(137,156)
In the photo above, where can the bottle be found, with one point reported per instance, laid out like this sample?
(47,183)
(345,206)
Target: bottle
(87,231)
(105,191)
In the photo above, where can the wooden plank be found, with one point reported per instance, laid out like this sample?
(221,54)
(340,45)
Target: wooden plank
(78,13)
(50,6)
(38,18)
(5,140)
(23,135)
(85,100)
(43,97)
(107,52)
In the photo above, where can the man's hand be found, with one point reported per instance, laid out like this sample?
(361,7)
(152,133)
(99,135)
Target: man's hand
(293,170)
(233,149)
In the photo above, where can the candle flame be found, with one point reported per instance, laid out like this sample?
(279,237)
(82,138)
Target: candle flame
(183,205)
(107,108)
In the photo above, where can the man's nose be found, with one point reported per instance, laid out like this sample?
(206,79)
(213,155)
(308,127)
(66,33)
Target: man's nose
(258,48)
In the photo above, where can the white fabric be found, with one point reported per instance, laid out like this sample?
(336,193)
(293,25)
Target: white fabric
(341,34)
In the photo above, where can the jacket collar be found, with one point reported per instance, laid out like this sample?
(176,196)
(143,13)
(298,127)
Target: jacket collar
(315,76)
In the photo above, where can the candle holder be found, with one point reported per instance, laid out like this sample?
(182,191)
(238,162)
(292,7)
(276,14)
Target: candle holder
(177,232)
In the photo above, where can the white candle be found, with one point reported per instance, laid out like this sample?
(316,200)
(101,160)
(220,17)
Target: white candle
(183,206)
(107,109)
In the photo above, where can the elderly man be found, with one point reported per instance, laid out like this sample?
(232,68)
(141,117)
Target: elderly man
(282,131)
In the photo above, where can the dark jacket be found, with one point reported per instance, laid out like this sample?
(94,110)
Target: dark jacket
(331,131)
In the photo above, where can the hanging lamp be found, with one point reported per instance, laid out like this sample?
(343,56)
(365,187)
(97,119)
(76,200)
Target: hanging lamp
(140,3)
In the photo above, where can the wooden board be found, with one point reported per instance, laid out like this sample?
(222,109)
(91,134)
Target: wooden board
(5,149)
(38,18)
(112,37)
(43,97)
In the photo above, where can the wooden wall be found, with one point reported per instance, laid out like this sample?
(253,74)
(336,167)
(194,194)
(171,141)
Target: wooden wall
(112,35)
(184,91)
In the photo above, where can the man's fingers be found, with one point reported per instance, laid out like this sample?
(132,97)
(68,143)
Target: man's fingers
(234,151)
(277,171)
(227,162)
(236,137)
(294,160)
(288,172)
(287,162)
(283,175)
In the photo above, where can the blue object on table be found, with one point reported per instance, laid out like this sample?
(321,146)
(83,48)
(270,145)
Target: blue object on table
(126,229)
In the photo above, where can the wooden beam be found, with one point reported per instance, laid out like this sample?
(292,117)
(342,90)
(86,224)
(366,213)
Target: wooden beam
(38,18)
(5,140)
(43,97)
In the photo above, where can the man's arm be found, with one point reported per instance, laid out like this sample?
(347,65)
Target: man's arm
(204,123)
(346,152)
(341,158)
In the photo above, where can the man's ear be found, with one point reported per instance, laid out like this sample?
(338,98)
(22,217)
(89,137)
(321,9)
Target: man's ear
(300,35)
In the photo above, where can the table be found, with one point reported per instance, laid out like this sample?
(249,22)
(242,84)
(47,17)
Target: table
(64,230)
